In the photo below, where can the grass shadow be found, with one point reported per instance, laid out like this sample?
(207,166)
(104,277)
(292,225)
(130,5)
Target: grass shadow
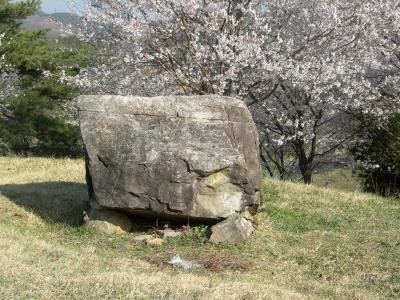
(57,202)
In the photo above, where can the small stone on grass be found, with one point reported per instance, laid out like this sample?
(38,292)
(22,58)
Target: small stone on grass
(170,234)
(235,229)
(143,238)
(155,242)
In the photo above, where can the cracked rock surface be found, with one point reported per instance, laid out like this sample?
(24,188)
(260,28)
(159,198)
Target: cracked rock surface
(173,157)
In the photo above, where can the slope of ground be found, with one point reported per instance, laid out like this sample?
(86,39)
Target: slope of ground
(311,243)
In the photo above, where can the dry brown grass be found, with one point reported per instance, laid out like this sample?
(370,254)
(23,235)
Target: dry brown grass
(311,243)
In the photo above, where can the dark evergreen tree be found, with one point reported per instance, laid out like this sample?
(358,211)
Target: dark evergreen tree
(35,121)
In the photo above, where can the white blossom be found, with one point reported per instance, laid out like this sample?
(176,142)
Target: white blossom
(298,64)
(8,77)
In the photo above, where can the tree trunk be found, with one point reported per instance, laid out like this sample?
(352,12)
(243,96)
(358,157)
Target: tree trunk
(307,176)
(305,163)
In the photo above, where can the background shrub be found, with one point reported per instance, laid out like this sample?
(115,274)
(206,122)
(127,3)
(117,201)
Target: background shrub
(378,150)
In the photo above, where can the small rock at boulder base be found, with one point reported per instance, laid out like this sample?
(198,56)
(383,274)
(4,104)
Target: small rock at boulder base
(235,229)
(247,215)
(170,234)
(173,157)
(108,221)
(155,242)
(143,238)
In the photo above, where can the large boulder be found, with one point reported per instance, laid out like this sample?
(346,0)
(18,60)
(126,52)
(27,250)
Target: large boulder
(173,157)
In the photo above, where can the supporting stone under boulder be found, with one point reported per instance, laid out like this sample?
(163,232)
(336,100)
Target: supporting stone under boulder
(235,229)
(108,221)
(171,157)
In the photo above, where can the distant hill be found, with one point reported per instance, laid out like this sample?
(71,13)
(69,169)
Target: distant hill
(54,22)
(67,18)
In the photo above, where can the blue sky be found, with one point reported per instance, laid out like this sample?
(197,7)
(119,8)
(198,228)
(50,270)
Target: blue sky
(51,6)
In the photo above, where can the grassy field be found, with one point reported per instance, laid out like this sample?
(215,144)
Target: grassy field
(311,242)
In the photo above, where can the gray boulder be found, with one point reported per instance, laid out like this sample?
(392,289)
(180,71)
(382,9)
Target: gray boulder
(173,157)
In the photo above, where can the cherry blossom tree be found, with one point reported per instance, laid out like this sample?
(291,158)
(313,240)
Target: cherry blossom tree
(299,65)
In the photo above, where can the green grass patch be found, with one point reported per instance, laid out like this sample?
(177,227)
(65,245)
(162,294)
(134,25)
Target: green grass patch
(300,222)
